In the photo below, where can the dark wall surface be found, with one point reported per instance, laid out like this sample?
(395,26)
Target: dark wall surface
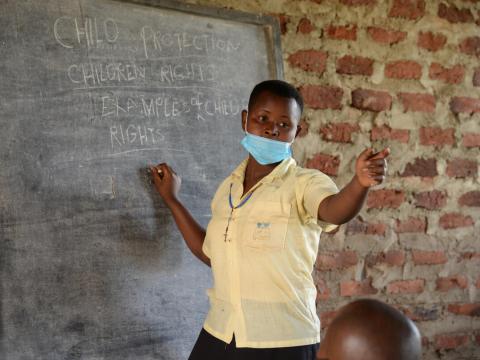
(91,263)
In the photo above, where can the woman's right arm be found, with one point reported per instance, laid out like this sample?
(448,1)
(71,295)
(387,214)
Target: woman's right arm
(167,183)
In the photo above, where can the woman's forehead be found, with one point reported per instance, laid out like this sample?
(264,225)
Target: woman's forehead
(269,101)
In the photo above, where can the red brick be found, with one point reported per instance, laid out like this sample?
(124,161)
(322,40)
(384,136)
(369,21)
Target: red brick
(390,258)
(462,168)
(451,282)
(476,77)
(336,260)
(355,65)
(450,341)
(471,140)
(346,32)
(417,313)
(305,26)
(339,132)
(406,286)
(403,69)
(386,133)
(368,229)
(322,97)
(421,167)
(431,200)
(354,288)
(471,198)
(385,198)
(358,226)
(358,2)
(469,255)
(412,225)
(455,15)
(472,309)
(421,257)
(431,41)
(453,75)
(323,292)
(309,60)
(407,9)
(471,46)
(455,220)
(283,21)
(326,318)
(371,100)
(437,136)
(327,164)
(417,102)
(303,128)
(385,36)
(465,105)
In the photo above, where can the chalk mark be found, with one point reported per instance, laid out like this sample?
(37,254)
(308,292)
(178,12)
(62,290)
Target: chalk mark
(103,158)
(145,88)
(148,149)
(182,57)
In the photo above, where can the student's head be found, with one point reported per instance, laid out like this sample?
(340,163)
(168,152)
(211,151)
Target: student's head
(370,330)
(274,111)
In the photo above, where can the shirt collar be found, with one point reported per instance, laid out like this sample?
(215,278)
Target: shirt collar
(280,170)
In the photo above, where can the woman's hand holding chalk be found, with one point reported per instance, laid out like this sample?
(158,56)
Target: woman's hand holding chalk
(166,181)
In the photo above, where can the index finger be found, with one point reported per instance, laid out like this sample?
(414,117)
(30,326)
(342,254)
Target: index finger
(381,154)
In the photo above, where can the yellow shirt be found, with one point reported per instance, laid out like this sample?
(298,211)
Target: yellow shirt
(262,268)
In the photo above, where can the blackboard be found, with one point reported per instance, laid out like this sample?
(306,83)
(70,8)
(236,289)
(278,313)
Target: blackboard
(92,91)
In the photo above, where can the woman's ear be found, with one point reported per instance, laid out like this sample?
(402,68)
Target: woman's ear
(299,128)
(244,120)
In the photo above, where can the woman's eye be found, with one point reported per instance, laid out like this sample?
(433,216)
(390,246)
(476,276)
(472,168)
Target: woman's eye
(262,118)
(283,124)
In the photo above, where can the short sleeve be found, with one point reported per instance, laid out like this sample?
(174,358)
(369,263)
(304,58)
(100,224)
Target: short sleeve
(317,188)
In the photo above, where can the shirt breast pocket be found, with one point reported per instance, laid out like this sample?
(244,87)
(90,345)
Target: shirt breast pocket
(266,227)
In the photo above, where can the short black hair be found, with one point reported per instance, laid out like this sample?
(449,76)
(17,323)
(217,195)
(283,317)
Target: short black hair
(276,87)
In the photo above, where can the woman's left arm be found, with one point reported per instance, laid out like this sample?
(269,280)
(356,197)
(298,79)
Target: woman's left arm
(370,170)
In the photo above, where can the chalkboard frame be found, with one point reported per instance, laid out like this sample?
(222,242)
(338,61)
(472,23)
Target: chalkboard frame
(270,24)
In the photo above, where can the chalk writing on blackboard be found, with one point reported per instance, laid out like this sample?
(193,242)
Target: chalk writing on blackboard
(135,134)
(156,43)
(98,74)
(165,105)
(170,76)
(91,74)
(70,31)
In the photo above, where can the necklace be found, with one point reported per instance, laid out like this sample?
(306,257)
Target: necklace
(234,207)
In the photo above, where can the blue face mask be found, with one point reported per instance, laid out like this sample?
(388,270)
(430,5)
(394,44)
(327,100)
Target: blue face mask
(266,151)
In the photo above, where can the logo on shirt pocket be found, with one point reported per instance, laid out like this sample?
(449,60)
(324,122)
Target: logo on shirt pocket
(262,232)
(267,227)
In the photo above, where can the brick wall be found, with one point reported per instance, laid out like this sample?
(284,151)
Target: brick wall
(403,74)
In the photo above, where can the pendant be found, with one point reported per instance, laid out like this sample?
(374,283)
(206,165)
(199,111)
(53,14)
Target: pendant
(228,225)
